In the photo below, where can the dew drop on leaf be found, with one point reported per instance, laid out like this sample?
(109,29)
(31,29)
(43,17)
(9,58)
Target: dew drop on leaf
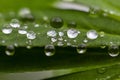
(49,50)
(56,22)
(31,35)
(72,33)
(92,34)
(25,14)
(72,24)
(22,30)
(101,70)
(113,50)
(81,48)
(52,33)
(7,29)
(10,50)
(15,23)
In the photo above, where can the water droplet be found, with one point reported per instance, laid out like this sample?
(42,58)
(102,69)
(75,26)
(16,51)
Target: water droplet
(22,30)
(56,22)
(60,43)
(15,23)
(101,70)
(49,50)
(52,33)
(102,34)
(60,39)
(53,39)
(72,24)
(72,33)
(85,40)
(45,18)
(103,46)
(92,34)
(3,41)
(10,50)
(7,29)
(61,34)
(36,25)
(95,12)
(31,35)
(113,50)
(68,44)
(25,14)
(81,48)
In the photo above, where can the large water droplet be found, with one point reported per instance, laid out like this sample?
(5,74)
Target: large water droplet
(49,50)
(101,70)
(25,14)
(15,23)
(10,50)
(7,29)
(22,30)
(113,50)
(52,33)
(92,34)
(31,35)
(72,33)
(56,22)
(81,48)
(72,24)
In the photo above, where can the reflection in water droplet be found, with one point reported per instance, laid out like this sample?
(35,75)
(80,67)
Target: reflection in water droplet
(72,33)
(101,70)
(15,23)
(10,50)
(92,34)
(7,29)
(95,12)
(81,48)
(52,33)
(49,50)
(113,50)
(56,22)
(31,35)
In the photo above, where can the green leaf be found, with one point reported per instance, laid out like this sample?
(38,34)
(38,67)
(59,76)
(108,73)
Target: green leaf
(102,16)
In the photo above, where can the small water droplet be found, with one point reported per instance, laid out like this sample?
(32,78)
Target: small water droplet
(60,39)
(61,34)
(31,35)
(10,50)
(53,39)
(3,41)
(36,25)
(81,48)
(95,12)
(72,24)
(92,34)
(7,29)
(60,43)
(85,40)
(72,33)
(103,46)
(22,30)
(101,70)
(15,23)
(49,50)
(113,50)
(102,34)
(25,14)
(56,22)
(68,44)
(45,18)
(52,33)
